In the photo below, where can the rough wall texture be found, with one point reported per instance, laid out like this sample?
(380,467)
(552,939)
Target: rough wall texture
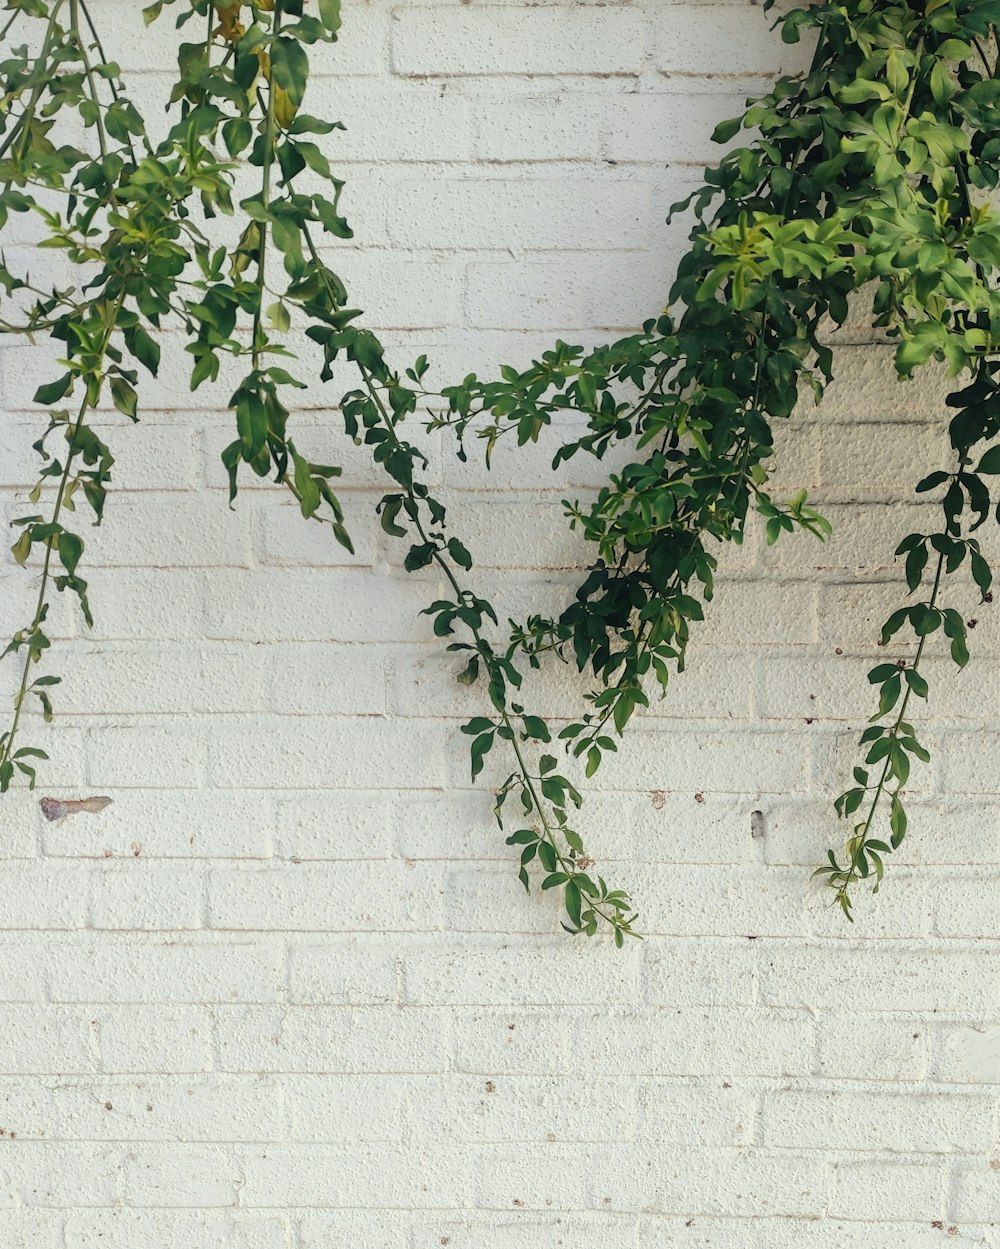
(286,992)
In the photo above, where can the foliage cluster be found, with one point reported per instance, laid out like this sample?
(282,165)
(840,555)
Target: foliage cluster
(866,178)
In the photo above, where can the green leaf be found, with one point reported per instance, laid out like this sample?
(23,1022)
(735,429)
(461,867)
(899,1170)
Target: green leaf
(916,682)
(990,463)
(329,15)
(22,547)
(479,750)
(124,397)
(573,902)
(390,510)
(52,392)
(70,550)
(459,554)
(535,727)
(890,694)
(727,130)
(144,348)
(237,134)
(279,317)
(419,556)
(289,67)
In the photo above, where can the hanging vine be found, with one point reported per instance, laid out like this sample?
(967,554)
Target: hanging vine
(868,179)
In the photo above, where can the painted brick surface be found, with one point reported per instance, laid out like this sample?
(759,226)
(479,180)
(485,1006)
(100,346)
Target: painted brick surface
(285,993)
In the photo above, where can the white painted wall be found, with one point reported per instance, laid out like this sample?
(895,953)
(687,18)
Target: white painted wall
(286,991)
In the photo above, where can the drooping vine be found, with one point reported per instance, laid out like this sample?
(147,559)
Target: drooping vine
(867,180)
(862,183)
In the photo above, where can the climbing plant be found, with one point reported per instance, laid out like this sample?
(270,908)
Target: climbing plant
(863,182)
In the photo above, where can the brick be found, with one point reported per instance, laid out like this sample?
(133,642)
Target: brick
(117,1108)
(155,1039)
(19,961)
(343,971)
(375,1175)
(178,824)
(40,1039)
(722,39)
(451,824)
(336,826)
(61,1176)
(967,1053)
(20,592)
(691,1041)
(134,603)
(399,121)
(879,977)
(704,761)
(387,896)
(318,752)
(518,1041)
(42,895)
(165,970)
(338,607)
(873,458)
(153,529)
(142,679)
(151,456)
(20,823)
(164,1229)
(494,973)
(824,686)
(284,539)
(179,1175)
(692,1182)
(963,762)
(132,755)
(877,1190)
(347,1109)
(524,1108)
(517,1229)
(895,1047)
(670,126)
(862,541)
(148,896)
(867,387)
(685,972)
(670,1114)
(312,679)
(791,1233)
(528,214)
(336,1041)
(848,1120)
(389,1229)
(32,1229)
(614,291)
(974,1193)
(493,39)
(543,126)
(757,612)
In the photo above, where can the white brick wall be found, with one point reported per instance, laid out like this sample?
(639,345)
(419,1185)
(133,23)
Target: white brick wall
(286,992)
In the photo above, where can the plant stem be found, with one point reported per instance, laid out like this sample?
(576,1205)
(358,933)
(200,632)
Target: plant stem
(549,833)
(41,603)
(28,114)
(102,138)
(265,194)
(860,838)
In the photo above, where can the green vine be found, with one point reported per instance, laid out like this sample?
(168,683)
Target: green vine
(869,180)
